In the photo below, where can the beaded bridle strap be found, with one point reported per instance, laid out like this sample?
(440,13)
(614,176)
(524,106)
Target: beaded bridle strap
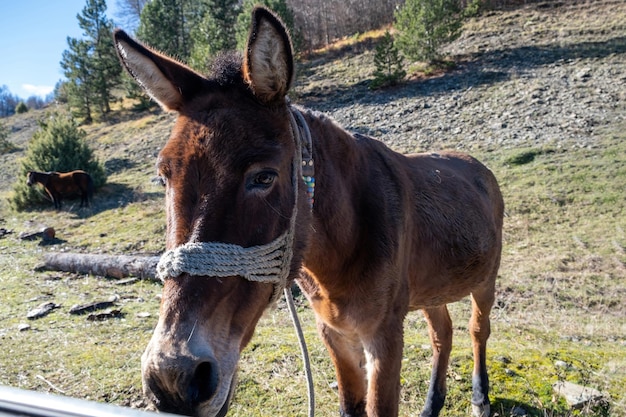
(269,263)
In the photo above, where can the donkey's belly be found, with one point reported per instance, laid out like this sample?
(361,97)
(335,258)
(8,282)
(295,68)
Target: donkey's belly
(433,297)
(448,286)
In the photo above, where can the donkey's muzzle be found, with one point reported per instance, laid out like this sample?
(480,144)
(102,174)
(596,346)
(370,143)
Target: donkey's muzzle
(180,385)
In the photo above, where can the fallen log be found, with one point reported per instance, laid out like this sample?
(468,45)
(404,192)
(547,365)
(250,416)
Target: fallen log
(112,266)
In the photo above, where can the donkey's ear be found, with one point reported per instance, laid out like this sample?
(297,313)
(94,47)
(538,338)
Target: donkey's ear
(268,61)
(167,81)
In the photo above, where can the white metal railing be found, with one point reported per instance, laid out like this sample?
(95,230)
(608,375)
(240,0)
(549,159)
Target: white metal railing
(19,402)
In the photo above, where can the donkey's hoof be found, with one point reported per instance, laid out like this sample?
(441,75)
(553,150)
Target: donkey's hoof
(482,410)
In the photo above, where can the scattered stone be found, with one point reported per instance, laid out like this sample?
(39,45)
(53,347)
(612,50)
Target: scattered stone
(89,307)
(562,364)
(126,281)
(143,315)
(334,385)
(577,396)
(22,327)
(52,277)
(41,310)
(584,74)
(504,359)
(457,377)
(29,235)
(4,232)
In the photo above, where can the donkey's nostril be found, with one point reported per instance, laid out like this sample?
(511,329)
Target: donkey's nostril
(204,383)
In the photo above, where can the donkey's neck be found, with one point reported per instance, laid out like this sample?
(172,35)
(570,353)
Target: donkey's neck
(340,223)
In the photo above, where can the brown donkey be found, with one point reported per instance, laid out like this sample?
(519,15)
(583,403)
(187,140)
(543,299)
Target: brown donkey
(384,234)
(64,184)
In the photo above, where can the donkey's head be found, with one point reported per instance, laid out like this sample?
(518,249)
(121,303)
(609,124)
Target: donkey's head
(30,178)
(231,194)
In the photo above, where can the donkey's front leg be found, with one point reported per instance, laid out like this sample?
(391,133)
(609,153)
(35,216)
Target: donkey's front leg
(480,328)
(346,352)
(383,351)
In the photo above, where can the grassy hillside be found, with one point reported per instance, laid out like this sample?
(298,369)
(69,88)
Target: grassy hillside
(560,158)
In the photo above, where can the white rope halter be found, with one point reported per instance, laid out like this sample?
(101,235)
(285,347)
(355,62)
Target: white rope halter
(269,263)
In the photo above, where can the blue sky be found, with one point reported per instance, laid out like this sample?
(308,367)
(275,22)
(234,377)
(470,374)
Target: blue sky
(33,36)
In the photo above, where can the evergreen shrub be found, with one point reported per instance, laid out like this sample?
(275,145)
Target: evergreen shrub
(388,61)
(424,26)
(58,145)
(21,108)
(5,145)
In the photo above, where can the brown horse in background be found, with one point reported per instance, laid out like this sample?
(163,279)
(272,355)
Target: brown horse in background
(385,234)
(64,184)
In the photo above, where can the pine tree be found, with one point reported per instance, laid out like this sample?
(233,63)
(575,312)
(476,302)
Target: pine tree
(136,93)
(426,25)
(91,64)
(107,70)
(164,25)
(388,63)
(79,73)
(215,33)
(8,102)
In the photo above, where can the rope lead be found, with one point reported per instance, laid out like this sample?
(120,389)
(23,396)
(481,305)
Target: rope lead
(303,349)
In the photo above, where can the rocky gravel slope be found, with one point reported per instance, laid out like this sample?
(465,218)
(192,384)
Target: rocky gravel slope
(543,75)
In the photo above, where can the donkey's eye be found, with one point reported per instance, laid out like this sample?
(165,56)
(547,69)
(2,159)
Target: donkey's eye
(263,179)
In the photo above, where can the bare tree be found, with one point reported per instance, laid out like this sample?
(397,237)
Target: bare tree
(128,13)
(35,102)
(320,22)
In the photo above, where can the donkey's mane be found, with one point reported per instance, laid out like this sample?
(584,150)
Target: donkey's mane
(226,69)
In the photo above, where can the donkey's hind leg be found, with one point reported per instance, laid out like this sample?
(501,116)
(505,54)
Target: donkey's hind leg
(440,330)
(84,199)
(480,328)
